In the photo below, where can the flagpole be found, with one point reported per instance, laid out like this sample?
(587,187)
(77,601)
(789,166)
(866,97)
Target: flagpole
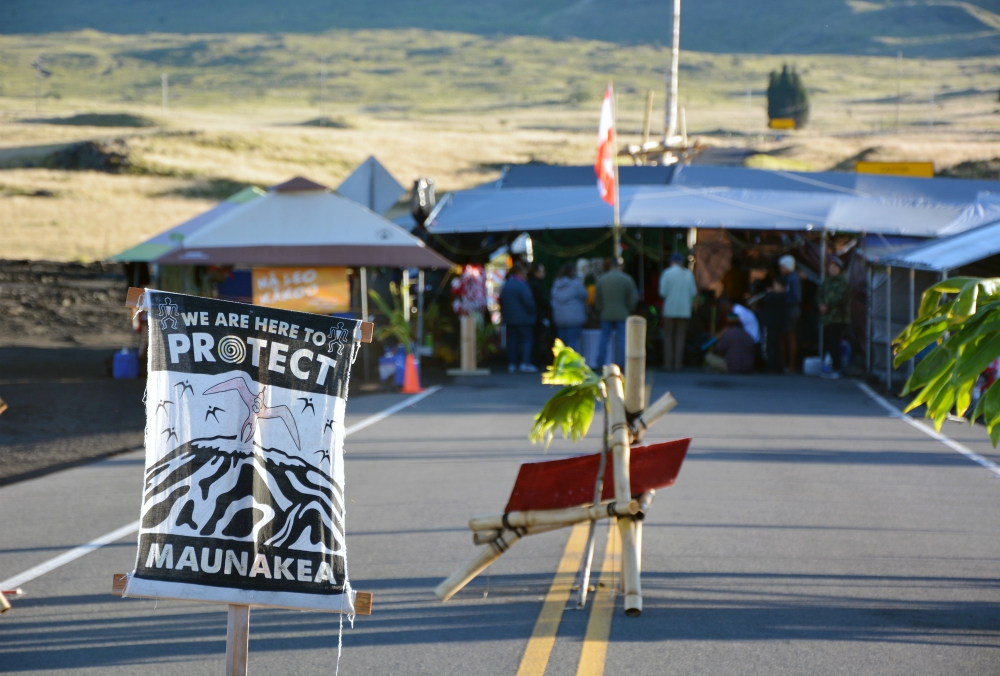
(617,227)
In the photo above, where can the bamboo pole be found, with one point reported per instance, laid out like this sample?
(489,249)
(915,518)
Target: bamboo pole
(237,640)
(653,412)
(478,564)
(553,517)
(4,604)
(635,365)
(645,502)
(621,456)
(484,537)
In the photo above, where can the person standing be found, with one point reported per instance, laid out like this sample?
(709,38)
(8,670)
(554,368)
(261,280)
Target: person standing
(833,297)
(519,313)
(772,309)
(793,311)
(543,314)
(615,297)
(677,289)
(569,306)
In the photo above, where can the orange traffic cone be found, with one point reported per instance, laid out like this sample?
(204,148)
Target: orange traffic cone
(411,379)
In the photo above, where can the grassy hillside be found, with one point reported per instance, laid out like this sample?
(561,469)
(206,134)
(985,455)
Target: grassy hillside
(920,28)
(452,106)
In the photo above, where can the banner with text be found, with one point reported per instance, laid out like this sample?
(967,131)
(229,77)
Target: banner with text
(243,498)
(319,290)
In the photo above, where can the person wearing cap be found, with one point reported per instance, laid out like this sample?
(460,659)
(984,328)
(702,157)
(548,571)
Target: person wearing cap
(832,297)
(735,351)
(615,297)
(678,290)
(793,299)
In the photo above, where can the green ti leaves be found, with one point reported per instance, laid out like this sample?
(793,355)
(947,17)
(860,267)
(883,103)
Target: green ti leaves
(962,316)
(399,324)
(571,409)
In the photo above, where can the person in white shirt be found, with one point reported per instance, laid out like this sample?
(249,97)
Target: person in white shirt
(678,290)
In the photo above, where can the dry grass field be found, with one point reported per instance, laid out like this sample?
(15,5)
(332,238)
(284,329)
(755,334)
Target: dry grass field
(451,106)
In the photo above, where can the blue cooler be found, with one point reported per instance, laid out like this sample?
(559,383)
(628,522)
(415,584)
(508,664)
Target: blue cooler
(125,365)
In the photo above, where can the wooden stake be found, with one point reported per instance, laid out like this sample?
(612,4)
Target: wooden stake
(237,640)
(635,365)
(621,456)
(554,517)
(4,604)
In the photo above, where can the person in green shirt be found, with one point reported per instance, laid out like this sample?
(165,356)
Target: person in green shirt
(614,300)
(833,297)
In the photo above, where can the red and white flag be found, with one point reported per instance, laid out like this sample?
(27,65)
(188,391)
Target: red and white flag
(605,165)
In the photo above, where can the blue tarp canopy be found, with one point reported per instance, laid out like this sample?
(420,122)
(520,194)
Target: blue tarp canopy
(540,197)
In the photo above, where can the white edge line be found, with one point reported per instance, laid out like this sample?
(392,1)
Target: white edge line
(929,431)
(118,534)
(71,555)
(395,408)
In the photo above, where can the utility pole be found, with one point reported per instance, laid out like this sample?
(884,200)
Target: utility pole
(164,94)
(749,112)
(322,93)
(899,87)
(675,54)
(38,81)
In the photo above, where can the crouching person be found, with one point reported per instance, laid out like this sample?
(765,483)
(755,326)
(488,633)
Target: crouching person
(734,351)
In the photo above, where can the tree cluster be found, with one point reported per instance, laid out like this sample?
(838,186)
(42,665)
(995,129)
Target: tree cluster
(787,97)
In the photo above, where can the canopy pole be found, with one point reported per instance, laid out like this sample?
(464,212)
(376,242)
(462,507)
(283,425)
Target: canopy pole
(420,309)
(913,292)
(868,322)
(888,328)
(404,293)
(364,316)
(822,278)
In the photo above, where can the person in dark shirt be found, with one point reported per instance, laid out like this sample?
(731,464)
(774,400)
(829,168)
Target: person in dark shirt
(734,351)
(772,310)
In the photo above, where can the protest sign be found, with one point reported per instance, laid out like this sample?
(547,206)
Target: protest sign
(243,497)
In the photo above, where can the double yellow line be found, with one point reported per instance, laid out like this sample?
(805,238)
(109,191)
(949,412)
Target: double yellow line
(595,642)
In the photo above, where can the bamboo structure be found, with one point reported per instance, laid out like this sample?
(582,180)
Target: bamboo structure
(466,573)
(656,410)
(620,456)
(635,365)
(554,517)
(484,537)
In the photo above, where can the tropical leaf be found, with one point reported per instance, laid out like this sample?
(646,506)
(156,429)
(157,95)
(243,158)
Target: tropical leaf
(399,324)
(571,410)
(961,315)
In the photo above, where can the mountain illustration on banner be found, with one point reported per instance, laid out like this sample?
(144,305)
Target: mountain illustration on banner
(223,489)
(371,185)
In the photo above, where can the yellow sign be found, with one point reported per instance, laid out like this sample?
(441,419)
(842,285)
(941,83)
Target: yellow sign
(782,123)
(912,169)
(319,290)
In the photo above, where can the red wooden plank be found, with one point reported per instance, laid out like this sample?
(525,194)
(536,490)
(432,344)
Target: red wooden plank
(569,482)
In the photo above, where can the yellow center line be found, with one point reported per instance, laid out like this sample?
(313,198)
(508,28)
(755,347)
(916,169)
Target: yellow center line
(595,640)
(543,637)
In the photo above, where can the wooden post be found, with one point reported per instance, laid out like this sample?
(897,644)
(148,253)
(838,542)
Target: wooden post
(621,457)
(635,365)
(237,640)
(363,274)
(468,343)
(4,604)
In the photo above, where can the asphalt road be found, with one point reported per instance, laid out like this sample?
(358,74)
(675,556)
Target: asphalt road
(808,533)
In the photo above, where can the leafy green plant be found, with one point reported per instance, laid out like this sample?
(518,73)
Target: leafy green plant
(485,330)
(399,324)
(961,315)
(571,409)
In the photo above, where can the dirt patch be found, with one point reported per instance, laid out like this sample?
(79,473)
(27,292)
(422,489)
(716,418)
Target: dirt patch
(47,303)
(111,157)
